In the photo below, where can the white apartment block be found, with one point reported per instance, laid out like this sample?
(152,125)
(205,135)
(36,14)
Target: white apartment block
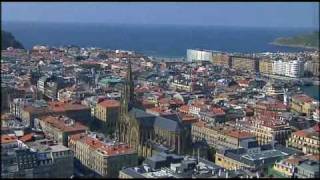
(293,68)
(199,55)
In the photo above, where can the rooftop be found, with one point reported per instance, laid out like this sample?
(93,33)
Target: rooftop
(239,134)
(110,103)
(309,133)
(64,123)
(310,165)
(45,145)
(264,154)
(58,106)
(303,98)
(8,139)
(106,148)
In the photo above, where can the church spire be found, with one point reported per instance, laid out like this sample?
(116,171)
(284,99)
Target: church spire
(127,98)
(130,83)
(127,95)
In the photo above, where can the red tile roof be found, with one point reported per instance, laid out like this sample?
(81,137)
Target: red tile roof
(239,134)
(57,106)
(106,149)
(26,137)
(59,123)
(243,82)
(302,98)
(218,111)
(8,139)
(184,108)
(301,133)
(110,103)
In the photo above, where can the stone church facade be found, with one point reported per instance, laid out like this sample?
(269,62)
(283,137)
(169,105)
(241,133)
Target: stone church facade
(142,130)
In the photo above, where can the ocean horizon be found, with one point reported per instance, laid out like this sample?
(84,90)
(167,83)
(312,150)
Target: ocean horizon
(171,41)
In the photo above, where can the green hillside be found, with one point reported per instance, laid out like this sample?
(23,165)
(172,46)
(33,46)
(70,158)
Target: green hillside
(8,40)
(310,40)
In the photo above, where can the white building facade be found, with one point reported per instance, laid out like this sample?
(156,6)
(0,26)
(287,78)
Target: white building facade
(199,55)
(293,68)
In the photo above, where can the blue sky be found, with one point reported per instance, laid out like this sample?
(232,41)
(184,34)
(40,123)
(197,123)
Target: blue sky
(252,14)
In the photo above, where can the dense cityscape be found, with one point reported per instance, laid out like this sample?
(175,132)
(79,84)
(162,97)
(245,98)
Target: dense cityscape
(160,90)
(90,112)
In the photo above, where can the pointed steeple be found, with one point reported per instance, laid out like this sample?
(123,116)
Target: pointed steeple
(127,94)
(130,83)
(126,102)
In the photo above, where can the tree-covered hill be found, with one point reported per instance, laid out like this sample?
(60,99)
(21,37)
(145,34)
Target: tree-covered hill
(310,40)
(8,40)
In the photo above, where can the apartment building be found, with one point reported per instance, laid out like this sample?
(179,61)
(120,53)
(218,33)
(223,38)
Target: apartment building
(104,158)
(37,159)
(308,169)
(250,156)
(72,109)
(303,104)
(293,68)
(306,140)
(244,63)
(267,128)
(61,127)
(199,55)
(108,111)
(288,167)
(219,136)
(221,59)
(265,66)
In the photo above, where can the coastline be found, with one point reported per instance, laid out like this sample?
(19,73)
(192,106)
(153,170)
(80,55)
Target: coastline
(293,45)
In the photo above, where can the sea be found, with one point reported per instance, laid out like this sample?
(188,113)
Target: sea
(169,41)
(312,91)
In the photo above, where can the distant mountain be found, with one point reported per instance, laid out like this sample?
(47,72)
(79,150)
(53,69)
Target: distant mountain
(310,40)
(8,40)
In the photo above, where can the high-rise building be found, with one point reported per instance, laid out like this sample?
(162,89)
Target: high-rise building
(313,66)
(244,63)
(265,66)
(293,68)
(221,59)
(199,55)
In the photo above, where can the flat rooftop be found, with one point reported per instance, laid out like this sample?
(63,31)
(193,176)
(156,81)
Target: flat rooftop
(45,145)
(64,123)
(264,154)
